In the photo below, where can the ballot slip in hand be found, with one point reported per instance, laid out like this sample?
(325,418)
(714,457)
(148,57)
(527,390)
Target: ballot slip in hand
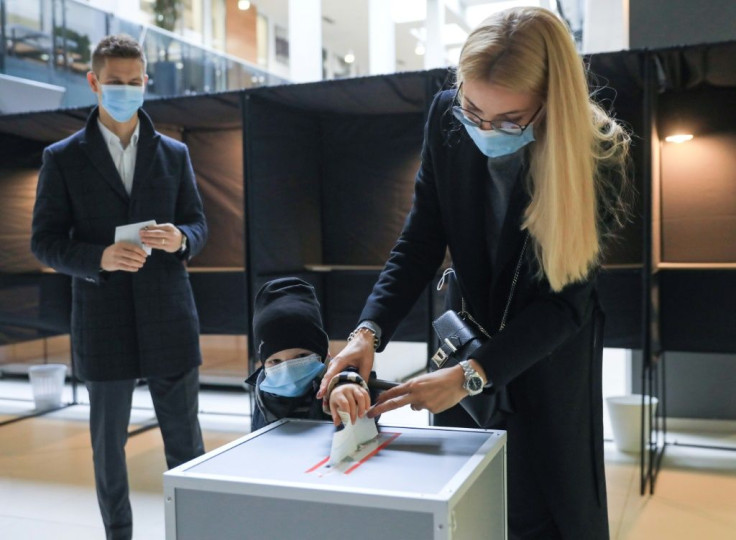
(129,233)
(350,437)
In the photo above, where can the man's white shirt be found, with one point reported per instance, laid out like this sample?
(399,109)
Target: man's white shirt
(123,158)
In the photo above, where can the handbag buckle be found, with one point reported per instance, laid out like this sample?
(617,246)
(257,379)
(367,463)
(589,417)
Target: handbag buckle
(440,357)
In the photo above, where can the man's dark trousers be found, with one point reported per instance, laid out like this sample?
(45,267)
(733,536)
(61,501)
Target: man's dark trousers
(175,400)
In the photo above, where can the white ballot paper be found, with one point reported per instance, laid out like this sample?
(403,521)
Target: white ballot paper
(349,439)
(129,233)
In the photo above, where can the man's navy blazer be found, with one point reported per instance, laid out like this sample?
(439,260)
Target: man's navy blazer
(124,325)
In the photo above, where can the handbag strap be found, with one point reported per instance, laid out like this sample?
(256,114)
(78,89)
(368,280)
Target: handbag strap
(464,313)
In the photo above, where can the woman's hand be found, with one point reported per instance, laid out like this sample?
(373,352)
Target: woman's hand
(358,353)
(436,392)
(350,398)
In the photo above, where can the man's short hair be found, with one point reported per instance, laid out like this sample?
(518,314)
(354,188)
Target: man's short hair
(117,46)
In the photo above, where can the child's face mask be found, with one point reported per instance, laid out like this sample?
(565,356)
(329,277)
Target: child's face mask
(292,378)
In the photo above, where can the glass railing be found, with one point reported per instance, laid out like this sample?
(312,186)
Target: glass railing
(51,41)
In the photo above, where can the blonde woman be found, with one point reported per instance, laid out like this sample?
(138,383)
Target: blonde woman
(522,177)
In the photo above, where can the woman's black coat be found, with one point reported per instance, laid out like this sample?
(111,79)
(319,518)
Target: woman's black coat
(548,354)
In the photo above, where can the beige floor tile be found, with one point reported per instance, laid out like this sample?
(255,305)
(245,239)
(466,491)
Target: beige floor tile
(621,479)
(40,528)
(695,498)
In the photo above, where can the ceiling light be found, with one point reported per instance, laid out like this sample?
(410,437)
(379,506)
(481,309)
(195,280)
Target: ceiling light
(243,5)
(452,54)
(349,58)
(679,138)
(475,14)
(451,34)
(408,11)
(419,50)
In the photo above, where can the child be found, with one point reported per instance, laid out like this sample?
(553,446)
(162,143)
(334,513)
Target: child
(293,348)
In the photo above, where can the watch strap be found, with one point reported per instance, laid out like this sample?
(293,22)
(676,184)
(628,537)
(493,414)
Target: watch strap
(183,246)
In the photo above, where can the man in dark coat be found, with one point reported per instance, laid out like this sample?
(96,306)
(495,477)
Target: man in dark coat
(133,313)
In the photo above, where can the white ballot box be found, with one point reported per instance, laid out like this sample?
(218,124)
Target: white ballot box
(409,483)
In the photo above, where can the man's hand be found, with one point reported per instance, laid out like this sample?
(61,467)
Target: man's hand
(123,256)
(166,237)
(436,392)
(358,353)
(352,398)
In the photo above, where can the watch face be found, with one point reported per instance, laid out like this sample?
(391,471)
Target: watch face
(475,384)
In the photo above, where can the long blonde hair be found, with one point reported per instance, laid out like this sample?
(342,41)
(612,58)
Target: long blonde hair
(579,162)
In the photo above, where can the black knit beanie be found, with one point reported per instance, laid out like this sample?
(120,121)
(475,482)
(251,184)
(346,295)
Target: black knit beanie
(286,316)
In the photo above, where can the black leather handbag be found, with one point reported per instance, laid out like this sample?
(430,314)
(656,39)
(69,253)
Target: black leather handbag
(460,335)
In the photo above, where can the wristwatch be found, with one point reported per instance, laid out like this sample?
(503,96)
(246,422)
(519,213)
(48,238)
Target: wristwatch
(183,246)
(473,382)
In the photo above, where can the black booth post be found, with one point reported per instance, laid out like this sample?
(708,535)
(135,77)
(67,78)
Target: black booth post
(650,342)
(247,229)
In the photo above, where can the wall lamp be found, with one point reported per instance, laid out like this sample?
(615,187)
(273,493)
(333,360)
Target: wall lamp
(679,138)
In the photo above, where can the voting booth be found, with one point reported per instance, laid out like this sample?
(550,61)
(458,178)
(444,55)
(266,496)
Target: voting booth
(408,483)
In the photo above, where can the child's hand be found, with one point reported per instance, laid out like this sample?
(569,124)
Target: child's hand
(352,398)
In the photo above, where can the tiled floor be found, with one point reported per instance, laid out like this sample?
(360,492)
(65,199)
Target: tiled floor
(46,484)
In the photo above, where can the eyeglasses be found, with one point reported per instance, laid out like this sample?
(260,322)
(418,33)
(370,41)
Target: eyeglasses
(502,126)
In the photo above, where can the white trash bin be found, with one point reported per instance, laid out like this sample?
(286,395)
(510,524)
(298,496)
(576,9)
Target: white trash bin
(47,382)
(625,414)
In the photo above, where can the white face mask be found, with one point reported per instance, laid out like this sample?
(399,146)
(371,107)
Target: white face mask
(292,378)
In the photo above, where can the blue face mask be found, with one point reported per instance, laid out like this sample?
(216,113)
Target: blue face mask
(494,143)
(122,101)
(292,378)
